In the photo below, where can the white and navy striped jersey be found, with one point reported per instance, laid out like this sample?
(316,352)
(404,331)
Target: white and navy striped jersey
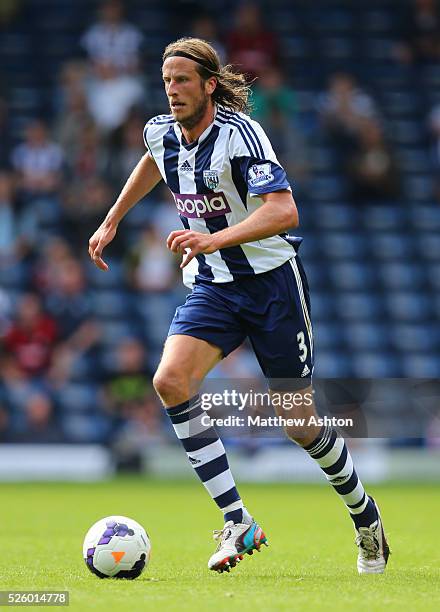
(217,181)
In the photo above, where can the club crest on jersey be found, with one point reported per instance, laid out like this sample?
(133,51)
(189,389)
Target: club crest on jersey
(259,175)
(210,178)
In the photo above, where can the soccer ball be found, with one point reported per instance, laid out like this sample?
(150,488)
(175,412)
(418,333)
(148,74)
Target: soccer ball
(116,547)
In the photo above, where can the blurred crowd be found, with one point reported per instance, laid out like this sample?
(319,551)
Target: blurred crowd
(78,347)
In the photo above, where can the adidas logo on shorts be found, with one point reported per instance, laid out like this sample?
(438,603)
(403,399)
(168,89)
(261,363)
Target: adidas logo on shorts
(305,371)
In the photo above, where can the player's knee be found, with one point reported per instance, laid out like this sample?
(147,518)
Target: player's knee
(169,386)
(293,433)
(303,436)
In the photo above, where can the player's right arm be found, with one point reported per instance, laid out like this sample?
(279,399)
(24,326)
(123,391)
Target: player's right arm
(142,180)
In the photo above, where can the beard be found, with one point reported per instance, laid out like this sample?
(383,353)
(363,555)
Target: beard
(199,112)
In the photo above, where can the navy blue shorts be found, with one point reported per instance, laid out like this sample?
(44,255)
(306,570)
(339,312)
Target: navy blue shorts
(272,309)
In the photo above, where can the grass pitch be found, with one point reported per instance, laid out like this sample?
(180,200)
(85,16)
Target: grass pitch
(310,564)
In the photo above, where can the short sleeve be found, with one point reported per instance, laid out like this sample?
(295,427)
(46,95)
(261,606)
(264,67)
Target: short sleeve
(146,137)
(250,150)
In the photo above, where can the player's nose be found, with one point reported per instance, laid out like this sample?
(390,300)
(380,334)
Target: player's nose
(172,89)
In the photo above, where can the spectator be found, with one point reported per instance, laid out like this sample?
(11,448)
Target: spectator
(205,27)
(4,424)
(130,400)
(72,76)
(90,157)
(420,42)
(72,119)
(129,378)
(38,422)
(250,46)
(71,82)
(137,434)
(372,168)
(274,105)
(85,204)
(113,41)
(343,109)
(152,268)
(15,384)
(272,94)
(69,304)
(434,129)
(129,151)
(78,333)
(5,134)
(52,256)
(111,96)
(434,132)
(18,229)
(38,163)
(32,336)
(5,313)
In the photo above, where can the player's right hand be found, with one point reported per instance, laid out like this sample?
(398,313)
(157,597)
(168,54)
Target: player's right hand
(100,239)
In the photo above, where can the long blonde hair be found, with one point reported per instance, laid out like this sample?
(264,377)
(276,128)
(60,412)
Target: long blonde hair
(232,90)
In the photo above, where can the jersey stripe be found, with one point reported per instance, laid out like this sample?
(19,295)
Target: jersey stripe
(245,137)
(171,148)
(235,119)
(205,270)
(145,138)
(159,118)
(251,133)
(251,129)
(249,144)
(238,180)
(165,121)
(247,141)
(303,303)
(234,257)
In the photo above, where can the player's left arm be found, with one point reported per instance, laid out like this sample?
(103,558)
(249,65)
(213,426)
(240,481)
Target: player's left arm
(277,214)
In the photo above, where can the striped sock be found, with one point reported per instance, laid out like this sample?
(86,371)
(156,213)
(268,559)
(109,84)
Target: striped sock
(331,454)
(207,455)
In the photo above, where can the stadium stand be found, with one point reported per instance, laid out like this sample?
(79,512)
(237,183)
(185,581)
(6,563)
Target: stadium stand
(373,265)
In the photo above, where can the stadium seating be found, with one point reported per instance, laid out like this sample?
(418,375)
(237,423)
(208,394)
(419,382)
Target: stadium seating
(373,270)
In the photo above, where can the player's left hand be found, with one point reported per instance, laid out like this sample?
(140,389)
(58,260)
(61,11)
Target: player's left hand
(181,240)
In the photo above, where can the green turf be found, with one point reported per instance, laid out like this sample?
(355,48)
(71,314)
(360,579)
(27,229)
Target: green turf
(310,563)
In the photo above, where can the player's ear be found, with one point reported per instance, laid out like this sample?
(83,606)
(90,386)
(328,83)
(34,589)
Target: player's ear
(210,85)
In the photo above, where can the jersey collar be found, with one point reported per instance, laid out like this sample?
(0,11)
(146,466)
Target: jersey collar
(202,136)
